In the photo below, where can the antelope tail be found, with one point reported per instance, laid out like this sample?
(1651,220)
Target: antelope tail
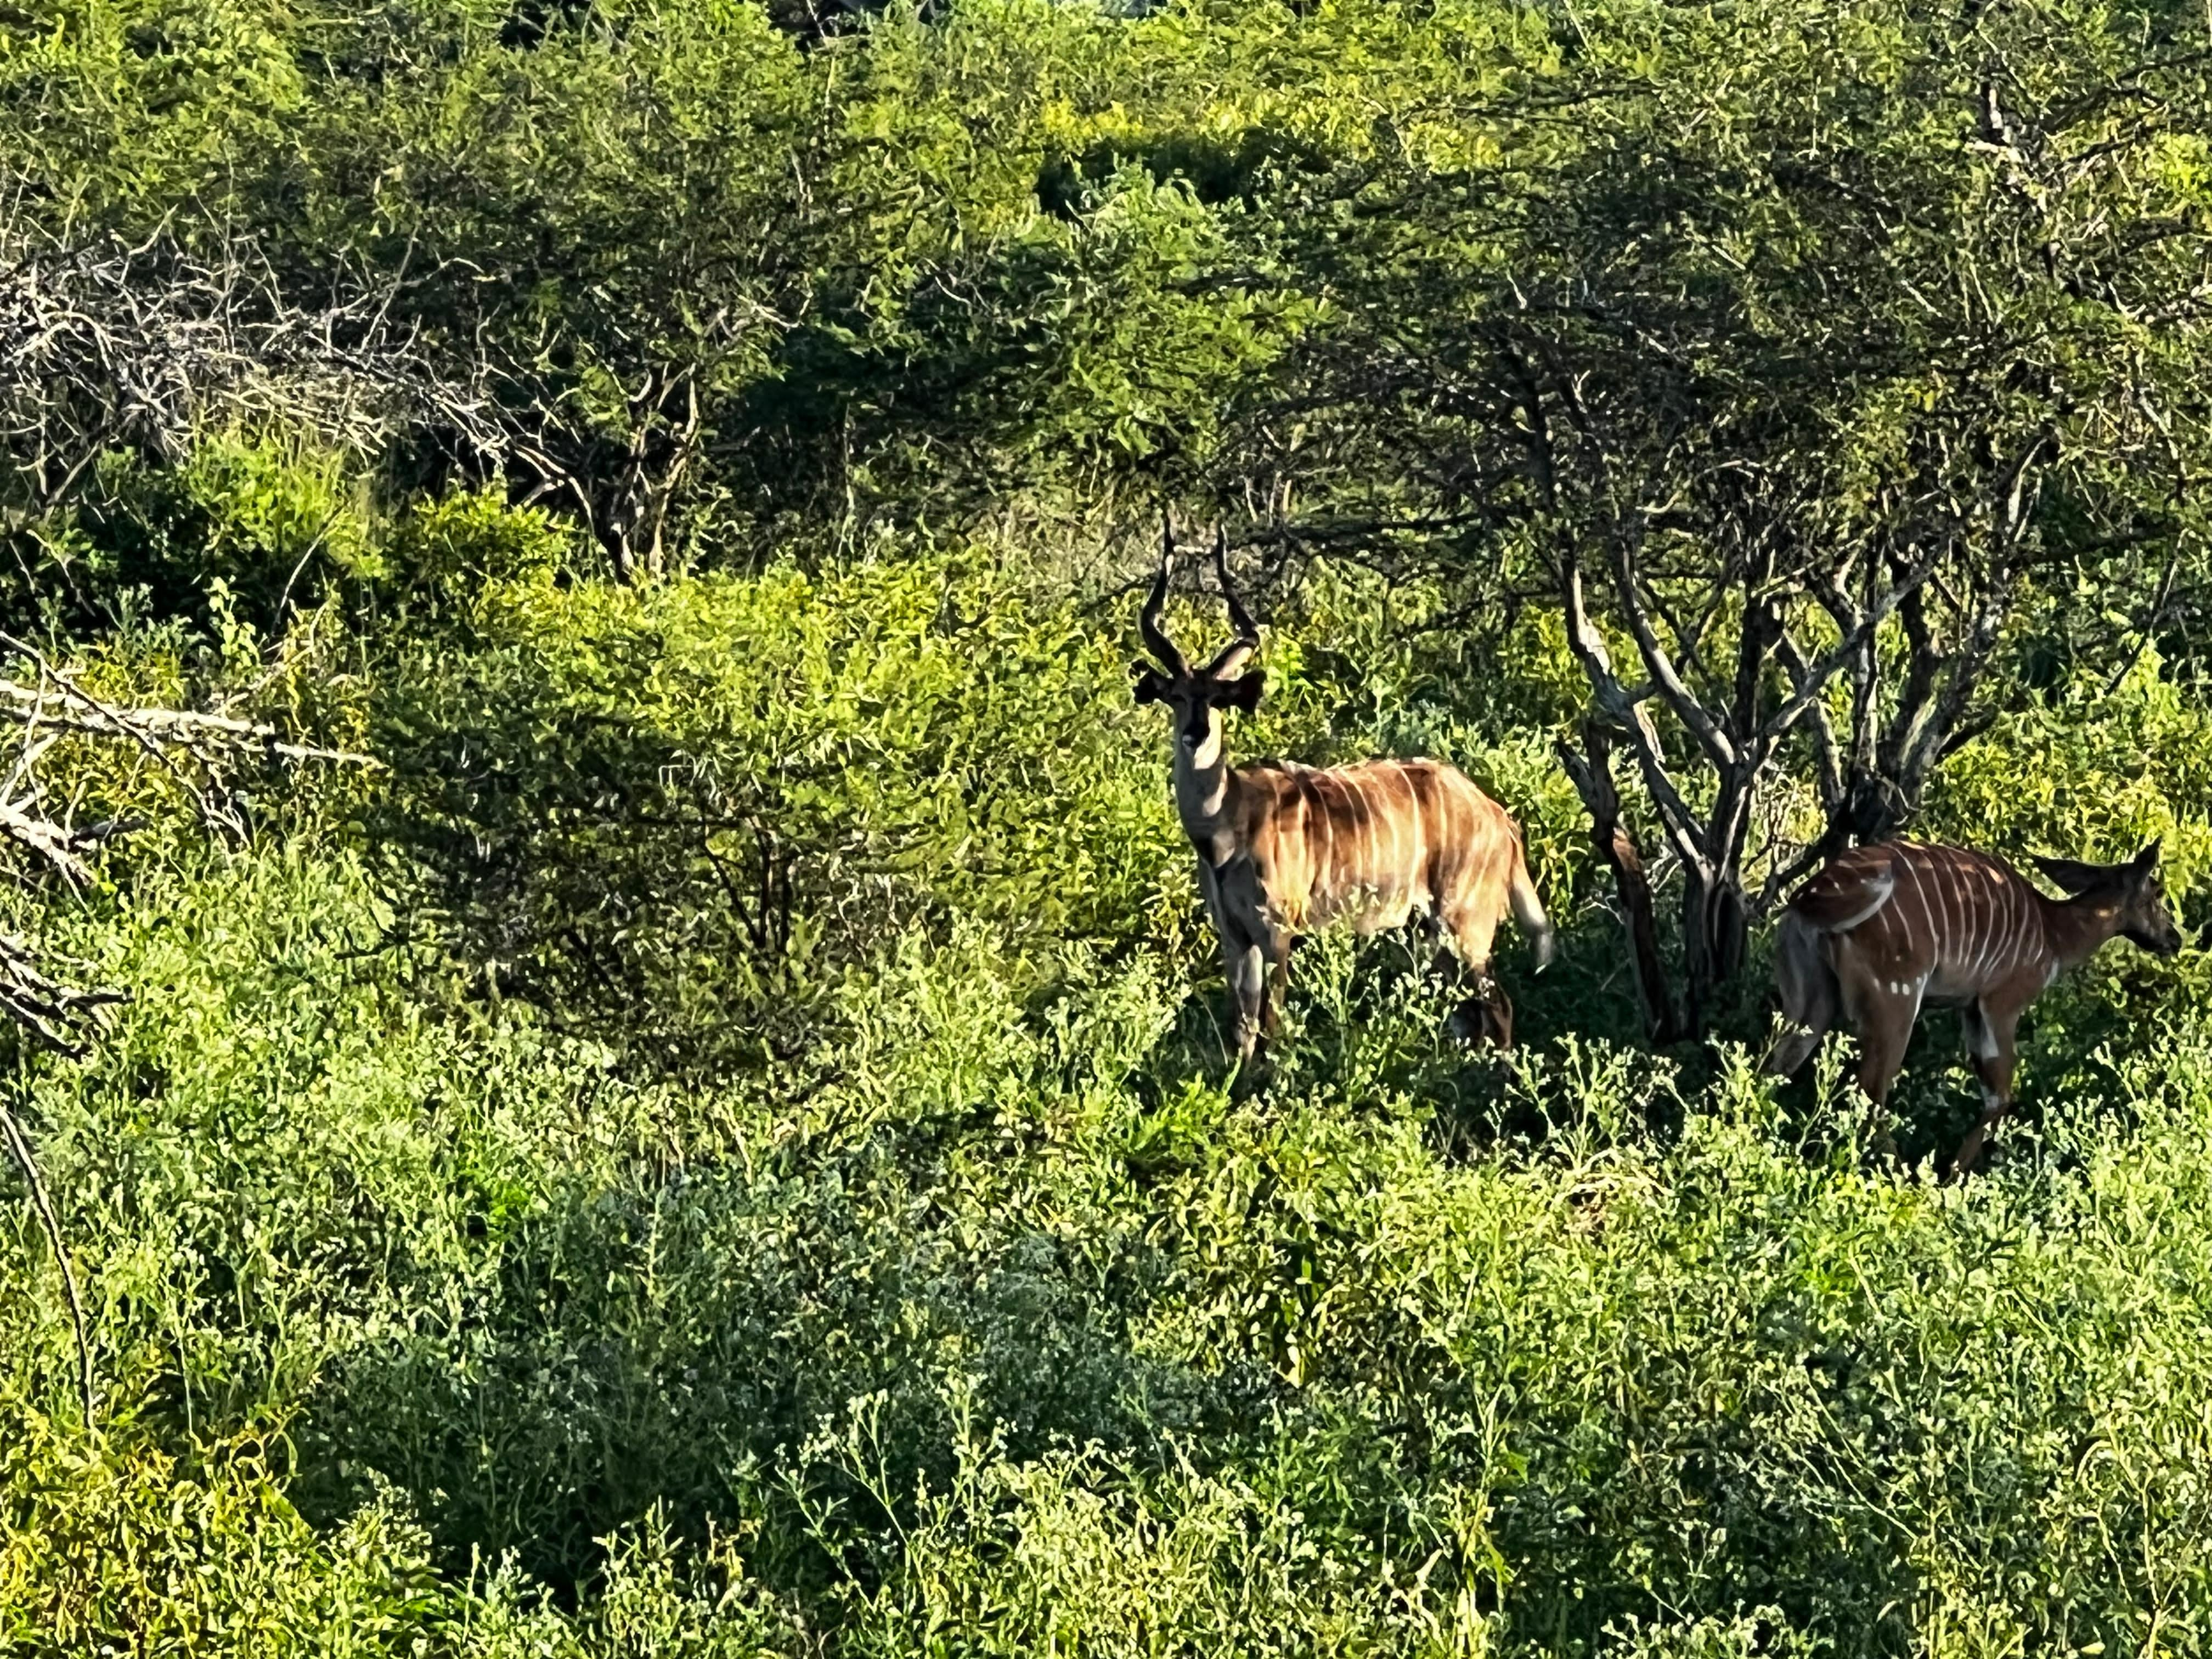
(1528,910)
(1835,903)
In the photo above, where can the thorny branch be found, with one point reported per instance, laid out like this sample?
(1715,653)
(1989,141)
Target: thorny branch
(104,346)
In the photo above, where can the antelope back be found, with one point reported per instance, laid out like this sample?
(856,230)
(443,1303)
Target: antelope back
(1953,924)
(1375,843)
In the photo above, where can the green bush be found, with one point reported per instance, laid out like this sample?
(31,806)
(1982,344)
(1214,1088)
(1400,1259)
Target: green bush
(1009,1314)
(717,1139)
(245,524)
(706,802)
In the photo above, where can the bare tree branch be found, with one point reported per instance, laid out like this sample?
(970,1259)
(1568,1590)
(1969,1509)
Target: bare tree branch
(23,704)
(19,1148)
(61,1018)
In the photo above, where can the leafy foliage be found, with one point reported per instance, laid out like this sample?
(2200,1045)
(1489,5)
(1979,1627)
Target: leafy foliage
(718,1143)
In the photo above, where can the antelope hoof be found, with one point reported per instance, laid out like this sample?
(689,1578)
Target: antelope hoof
(1967,1160)
(1977,1150)
(1485,1022)
(1250,1075)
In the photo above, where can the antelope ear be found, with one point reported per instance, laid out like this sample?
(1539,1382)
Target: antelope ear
(1243,692)
(1151,685)
(2147,861)
(2071,876)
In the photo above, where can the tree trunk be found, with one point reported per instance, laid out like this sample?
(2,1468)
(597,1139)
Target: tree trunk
(1593,780)
(1716,929)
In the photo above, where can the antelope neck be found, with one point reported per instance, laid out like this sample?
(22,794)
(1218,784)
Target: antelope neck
(2077,927)
(1204,786)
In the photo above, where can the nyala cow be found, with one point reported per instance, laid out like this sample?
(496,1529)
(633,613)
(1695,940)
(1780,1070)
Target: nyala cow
(1886,930)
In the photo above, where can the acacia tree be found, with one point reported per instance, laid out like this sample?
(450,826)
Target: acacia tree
(1832,351)
(561,259)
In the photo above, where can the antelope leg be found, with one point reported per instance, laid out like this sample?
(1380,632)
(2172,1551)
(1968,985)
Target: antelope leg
(1990,1040)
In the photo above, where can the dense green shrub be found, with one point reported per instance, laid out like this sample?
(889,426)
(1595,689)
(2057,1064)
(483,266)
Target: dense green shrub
(1015,1313)
(986,1317)
(245,528)
(711,1135)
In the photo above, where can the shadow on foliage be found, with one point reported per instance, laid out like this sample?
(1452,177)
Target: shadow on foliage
(681,1341)
(1215,168)
(586,864)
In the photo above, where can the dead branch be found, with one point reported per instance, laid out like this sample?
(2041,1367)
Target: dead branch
(59,1018)
(106,346)
(19,1148)
(25,704)
(1592,776)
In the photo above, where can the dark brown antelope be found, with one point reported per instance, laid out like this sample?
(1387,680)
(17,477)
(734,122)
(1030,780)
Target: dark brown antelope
(1284,849)
(1884,930)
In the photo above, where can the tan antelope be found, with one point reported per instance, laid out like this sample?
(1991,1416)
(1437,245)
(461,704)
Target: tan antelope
(1284,849)
(1886,929)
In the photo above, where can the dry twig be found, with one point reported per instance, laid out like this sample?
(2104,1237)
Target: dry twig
(19,1148)
(61,1017)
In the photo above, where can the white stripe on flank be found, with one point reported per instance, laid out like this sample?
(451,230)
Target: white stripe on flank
(1992,929)
(1985,929)
(1355,822)
(1372,875)
(1399,828)
(2000,923)
(1413,805)
(2020,925)
(1920,894)
(1386,866)
(1944,878)
(1378,867)
(1325,882)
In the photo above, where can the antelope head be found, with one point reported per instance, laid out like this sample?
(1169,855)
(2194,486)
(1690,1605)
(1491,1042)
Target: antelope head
(2130,892)
(1197,695)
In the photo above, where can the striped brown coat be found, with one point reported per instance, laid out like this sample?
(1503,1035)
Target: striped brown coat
(1883,931)
(1284,849)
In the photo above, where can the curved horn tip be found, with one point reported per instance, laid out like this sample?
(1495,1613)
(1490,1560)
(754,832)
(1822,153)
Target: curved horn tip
(1148,619)
(1221,562)
(1246,628)
(1247,641)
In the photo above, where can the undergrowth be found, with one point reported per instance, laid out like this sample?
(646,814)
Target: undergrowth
(995,1319)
